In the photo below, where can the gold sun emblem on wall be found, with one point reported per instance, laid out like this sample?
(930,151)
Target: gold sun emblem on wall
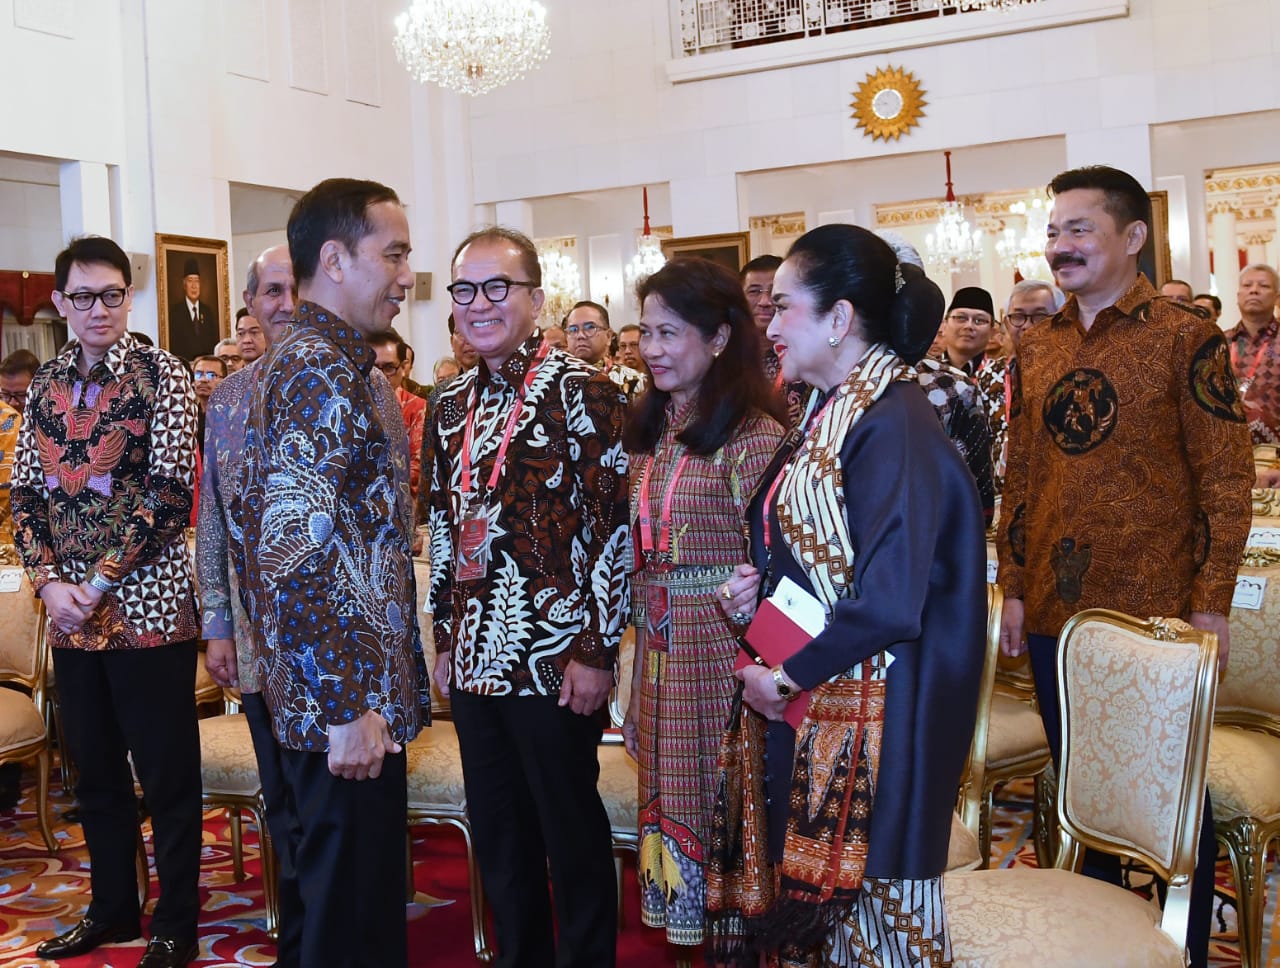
(888,103)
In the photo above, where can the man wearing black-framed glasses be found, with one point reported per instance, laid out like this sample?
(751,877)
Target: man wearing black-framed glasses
(586,326)
(102,494)
(528,523)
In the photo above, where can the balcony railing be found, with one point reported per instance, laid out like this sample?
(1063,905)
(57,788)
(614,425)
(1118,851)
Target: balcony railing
(715,25)
(717,37)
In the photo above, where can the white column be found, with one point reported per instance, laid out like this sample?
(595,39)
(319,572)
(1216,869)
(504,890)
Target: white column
(516,215)
(1128,149)
(441,215)
(85,196)
(705,205)
(1257,244)
(1226,271)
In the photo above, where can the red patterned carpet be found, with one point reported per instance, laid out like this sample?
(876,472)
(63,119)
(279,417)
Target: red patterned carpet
(40,896)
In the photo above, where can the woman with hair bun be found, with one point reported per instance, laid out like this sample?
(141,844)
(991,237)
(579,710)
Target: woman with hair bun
(830,839)
(699,439)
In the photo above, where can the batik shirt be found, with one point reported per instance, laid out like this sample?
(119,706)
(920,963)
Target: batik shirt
(794,395)
(631,381)
(222,614)
(1129,465)
(103,483)
(322,552)
(556,588)
(962,410)
(1257,367)
(414,410)
(10,422)
(989,373)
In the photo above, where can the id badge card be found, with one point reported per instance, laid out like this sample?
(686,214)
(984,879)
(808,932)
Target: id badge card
(658,616)
(473,543)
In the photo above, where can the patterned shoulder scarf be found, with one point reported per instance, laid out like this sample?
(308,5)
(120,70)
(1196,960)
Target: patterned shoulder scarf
(811,508)
(753,907)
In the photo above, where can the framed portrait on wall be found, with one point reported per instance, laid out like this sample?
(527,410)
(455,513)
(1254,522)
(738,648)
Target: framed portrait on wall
(191,294)
(1155,260)
(732,250)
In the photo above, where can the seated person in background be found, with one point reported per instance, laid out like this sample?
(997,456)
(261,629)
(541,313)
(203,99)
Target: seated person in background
(966,331)
(446,368)
(16,373)
(392,358)
(228,350)
(1178,291)
(956,400)
(555,336)
(1211,304)
(590,340)
(411,385)
(1254,356)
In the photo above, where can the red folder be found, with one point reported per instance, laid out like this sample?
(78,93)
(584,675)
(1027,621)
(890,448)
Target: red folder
(775,638)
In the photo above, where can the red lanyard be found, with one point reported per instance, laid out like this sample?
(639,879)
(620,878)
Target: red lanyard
(1256,360)
(506,434)
(1008,393)
(664,523)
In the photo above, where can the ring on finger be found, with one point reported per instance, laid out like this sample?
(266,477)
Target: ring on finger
(740,618)
(725,593)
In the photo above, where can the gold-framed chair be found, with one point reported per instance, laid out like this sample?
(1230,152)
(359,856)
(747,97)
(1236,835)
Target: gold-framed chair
(437,796)
(619,783)
(24,658)
(965,851)
(1137,700)
(230,780)
(1244,761)
(436,792)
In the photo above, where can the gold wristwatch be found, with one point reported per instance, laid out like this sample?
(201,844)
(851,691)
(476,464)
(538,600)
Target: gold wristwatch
(784,690)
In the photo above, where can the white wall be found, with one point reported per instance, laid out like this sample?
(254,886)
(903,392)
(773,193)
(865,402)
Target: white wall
(602,114)
(186,97)
(30,215)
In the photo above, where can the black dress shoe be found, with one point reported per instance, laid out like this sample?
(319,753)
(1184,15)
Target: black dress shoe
(169,953)
(85,936)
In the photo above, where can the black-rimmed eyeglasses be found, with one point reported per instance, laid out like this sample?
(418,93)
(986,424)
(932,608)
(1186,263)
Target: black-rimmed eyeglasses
(495,290)
(1020,319)
(83,301)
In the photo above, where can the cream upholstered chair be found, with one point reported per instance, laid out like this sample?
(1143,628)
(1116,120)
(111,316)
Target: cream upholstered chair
(24,656)
(1244,762)
(619,783)
(437,795)
(965,851)
(1137,701)
(229,777)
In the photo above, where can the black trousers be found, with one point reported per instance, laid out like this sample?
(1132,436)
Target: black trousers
(531,770)
(139,701)
(350,862)
(283,825)
(1106,867)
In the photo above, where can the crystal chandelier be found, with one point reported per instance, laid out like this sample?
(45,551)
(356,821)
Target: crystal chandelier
(648,258)
(952,245)
(561,284)
(1025,252)
(471,46)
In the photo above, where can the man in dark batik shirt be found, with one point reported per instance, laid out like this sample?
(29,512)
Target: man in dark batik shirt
(757,282)
(1254,356)
(102,491)
(326,571)
(529,595)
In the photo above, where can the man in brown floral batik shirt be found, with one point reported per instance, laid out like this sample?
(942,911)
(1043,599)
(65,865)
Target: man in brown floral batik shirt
(1129,461)
(101,497)
(528,516)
